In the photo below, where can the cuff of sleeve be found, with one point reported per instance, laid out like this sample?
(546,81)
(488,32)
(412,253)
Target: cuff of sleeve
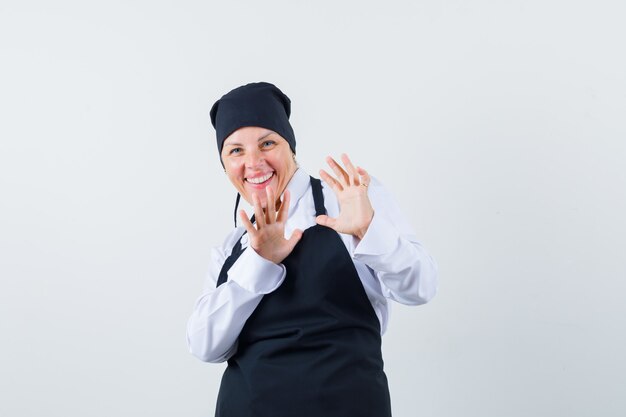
(381,238)
(256,274)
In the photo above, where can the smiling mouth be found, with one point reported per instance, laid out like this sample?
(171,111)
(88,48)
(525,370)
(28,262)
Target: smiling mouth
(260,180)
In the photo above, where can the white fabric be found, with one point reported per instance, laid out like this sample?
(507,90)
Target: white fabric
(390,262)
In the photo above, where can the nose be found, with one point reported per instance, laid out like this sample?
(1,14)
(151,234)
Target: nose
(254,159)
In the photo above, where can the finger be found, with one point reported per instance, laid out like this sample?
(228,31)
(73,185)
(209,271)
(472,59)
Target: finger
(270,210)
(283,212)
(365,177)
(324,220)
(258,211)
(353,175)
(334,184)
(342,175)
(246,222)
(296,235)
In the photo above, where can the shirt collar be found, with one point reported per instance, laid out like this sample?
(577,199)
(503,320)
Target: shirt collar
(298,185)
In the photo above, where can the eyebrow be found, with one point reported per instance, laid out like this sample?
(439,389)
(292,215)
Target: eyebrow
(258,140)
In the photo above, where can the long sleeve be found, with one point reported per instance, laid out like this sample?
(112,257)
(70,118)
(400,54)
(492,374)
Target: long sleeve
(220,313)
(407,274)
(389,260)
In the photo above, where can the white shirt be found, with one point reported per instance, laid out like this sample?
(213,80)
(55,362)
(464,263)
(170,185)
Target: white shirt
(389,260)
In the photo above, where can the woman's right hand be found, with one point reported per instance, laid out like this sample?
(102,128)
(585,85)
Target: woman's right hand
(268,237)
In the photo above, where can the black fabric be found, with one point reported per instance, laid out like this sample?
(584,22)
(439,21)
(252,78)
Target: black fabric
(256,104)
(230,261)
(236,206)
(235,253)
(318,197)
(312,347)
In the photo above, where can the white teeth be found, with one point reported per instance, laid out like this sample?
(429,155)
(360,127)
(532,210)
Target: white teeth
(259,180)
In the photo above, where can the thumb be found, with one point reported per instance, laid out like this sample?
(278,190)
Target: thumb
(296,235)
(324,220)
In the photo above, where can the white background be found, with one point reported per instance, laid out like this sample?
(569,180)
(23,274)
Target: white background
(499,126)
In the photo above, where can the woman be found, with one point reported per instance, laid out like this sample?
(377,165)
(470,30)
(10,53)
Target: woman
(296,299)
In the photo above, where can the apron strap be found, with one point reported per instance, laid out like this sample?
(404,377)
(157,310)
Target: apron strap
(235,212)
(236,206)
(237,250)
(228,263)
(318,196)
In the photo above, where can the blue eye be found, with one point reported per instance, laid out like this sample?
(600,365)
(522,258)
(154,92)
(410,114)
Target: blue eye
(234,151)
(268,143)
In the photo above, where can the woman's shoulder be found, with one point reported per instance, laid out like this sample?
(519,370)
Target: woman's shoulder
(231,239)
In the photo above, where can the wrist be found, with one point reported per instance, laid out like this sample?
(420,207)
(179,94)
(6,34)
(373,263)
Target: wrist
(360,233)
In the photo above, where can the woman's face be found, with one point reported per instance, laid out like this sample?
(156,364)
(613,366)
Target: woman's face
(254,158)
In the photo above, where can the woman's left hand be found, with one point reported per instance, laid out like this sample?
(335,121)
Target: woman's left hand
(350,187)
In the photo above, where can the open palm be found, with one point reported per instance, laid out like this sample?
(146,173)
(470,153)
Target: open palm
(268,237)
(350,187)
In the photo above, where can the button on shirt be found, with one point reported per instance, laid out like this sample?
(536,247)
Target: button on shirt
(389,260)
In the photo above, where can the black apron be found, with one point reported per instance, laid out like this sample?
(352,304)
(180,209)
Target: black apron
(311,348)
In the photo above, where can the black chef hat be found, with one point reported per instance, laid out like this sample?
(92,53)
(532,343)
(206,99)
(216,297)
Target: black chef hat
(256,104)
